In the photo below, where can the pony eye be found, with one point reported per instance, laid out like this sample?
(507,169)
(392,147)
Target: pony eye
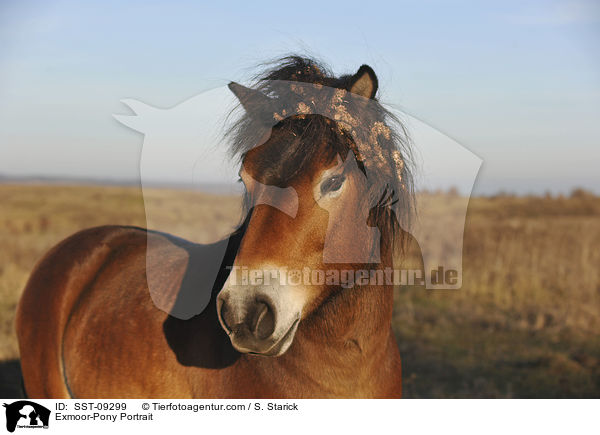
(332,184)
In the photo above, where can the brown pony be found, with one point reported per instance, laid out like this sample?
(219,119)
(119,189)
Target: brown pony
(88,328)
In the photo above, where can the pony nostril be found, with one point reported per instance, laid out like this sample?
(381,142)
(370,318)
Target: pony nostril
(253,320)
(263,322)
(226,317)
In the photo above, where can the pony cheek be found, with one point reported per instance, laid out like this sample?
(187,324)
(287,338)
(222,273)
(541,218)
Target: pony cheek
(315,300)
(348,237)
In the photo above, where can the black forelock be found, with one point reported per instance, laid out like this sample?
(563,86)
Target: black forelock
(295,141)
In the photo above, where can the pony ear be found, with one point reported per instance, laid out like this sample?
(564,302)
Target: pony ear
(258,105)
(364,82)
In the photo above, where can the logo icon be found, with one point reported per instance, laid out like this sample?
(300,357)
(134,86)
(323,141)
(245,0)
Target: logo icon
(26,414)
(186,145)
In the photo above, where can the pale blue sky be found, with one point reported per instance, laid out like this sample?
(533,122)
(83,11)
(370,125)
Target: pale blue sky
(518,83)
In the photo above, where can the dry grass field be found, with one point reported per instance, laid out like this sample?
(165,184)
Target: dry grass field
(525,323)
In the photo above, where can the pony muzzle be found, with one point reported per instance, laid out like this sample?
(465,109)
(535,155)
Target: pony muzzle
(259,320)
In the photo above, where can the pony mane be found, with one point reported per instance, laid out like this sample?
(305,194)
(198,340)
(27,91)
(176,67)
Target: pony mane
(301,139)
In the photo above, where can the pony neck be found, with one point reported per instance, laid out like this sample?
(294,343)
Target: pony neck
(345,348)
(353,318)
(358,317)
(349,335)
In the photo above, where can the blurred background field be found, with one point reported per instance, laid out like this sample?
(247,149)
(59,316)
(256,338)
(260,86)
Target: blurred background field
(525,323)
